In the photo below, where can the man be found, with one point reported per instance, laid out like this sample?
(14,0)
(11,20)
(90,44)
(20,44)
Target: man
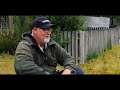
(37,53)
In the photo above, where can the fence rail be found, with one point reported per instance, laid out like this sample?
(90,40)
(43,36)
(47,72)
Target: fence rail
(83,43)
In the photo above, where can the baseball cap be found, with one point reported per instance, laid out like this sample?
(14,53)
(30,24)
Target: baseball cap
(42,23)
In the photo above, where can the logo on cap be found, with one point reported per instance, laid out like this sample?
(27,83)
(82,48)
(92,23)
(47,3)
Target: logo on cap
(46,21)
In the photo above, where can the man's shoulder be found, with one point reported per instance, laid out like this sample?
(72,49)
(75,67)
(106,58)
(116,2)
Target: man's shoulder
(23,41)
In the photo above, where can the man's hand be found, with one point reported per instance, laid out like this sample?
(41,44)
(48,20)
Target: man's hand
(67,72)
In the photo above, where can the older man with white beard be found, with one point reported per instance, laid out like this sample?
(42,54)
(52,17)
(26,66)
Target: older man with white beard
(38,53)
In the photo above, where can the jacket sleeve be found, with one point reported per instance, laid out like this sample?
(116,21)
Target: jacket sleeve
(24,61)
(64,58)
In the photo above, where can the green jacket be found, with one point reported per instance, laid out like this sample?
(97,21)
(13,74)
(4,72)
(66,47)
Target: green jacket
(29,59)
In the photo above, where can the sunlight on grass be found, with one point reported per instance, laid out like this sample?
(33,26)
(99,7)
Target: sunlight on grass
(107,63)
(6,64)
(59,67)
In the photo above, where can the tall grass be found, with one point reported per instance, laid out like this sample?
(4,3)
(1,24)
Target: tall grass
(107,63)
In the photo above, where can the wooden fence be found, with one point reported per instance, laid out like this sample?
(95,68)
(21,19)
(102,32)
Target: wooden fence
(83,43)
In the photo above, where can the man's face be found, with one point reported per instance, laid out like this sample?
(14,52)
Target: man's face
(43,35)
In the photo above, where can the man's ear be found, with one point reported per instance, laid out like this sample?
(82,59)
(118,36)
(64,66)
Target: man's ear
(34,30)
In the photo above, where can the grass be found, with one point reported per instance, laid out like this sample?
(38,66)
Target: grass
(107,63)
(7,64)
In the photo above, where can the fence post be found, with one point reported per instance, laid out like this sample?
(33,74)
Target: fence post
(86,44)
(82,54)
(11,24)
(69,44)
(112,36)
(76,48)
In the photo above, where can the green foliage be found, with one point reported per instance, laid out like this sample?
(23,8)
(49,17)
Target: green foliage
(65,42)
(92,55)
(109,45)
(22,24)
(57,37)
(7,43)
(68,23)
(116,20)
(82,25)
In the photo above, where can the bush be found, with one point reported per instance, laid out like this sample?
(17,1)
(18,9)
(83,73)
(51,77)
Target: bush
(8,43)
(68,23)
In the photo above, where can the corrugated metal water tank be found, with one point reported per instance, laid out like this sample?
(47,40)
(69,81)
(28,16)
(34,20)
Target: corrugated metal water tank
(97,22)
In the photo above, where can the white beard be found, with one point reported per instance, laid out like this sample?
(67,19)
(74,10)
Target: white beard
(46,40)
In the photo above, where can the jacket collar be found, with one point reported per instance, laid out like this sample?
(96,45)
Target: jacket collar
(27,36)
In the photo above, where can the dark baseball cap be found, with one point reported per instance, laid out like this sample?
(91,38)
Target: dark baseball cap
(42,23)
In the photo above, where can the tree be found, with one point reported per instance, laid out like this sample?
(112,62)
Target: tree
(68,23)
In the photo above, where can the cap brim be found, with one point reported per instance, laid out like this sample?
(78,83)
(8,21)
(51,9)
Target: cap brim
(48,26)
